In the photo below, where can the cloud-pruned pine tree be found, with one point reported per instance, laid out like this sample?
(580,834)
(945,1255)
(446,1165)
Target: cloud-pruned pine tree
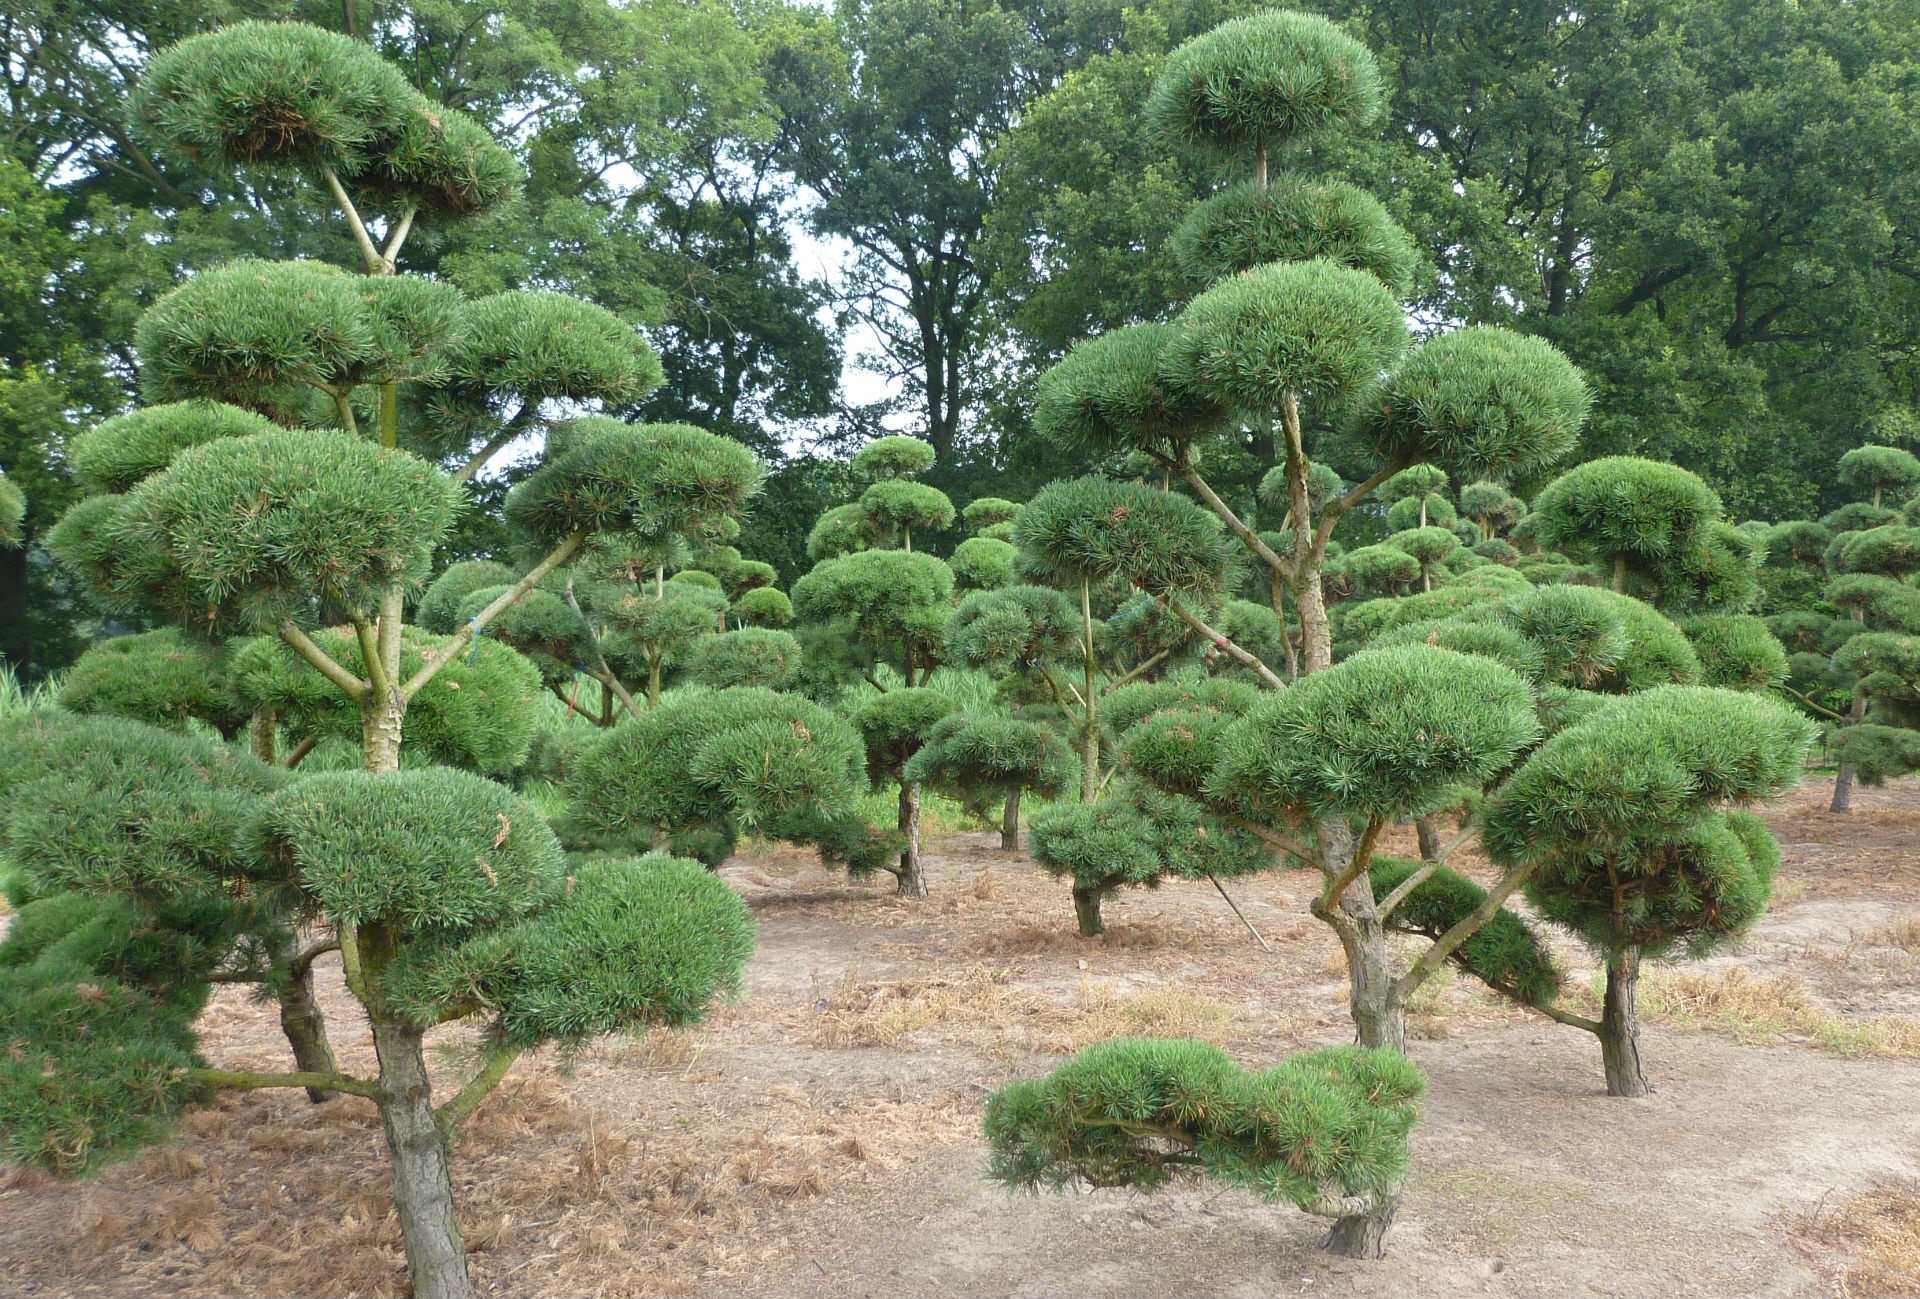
(385,394)
(1301,324)
(1628,825)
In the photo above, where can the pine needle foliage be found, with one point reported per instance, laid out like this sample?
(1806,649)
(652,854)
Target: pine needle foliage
(275,94)
(115,455)
(751,656)
(1146,1113)
(1294,220)
(434,852)
(1269,78)
(245,532)
(626,942)
(1318,330)
(1480,401)
(159,677)
(1115,392)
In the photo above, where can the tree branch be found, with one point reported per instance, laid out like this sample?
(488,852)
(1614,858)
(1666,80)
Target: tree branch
(370,654)
(1361,859)
(593,643)
(451,1115)
(399,236)
(439,658)
(512,429)
(1385,906)
(1248,536)
(375,264)
(300,964)
(302,644)
(1246,657)
(241,1081)
(1466,927)
(1268,835)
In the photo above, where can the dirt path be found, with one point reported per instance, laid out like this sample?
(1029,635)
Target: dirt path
(822,1136)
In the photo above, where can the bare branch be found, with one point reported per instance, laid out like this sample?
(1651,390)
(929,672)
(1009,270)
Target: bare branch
(439,658)
(241,1081)
(302,644)
(375,264)
(1246,657)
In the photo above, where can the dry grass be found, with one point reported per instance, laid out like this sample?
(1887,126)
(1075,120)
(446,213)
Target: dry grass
(1903,933)
(1759,1010)
(984,1008)
(1878,1235)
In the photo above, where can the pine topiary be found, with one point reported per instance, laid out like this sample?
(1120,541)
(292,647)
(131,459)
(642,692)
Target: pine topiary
(1325,1131)
(981,759)
(752,656)
(159,677)
(1619,819)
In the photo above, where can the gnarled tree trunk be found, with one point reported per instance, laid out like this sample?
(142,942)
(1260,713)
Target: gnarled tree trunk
(301,1019)
(422,1181)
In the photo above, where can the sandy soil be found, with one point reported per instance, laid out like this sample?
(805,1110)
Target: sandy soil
(821,1136)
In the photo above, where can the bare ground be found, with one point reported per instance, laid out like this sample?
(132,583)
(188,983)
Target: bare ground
(821,1137)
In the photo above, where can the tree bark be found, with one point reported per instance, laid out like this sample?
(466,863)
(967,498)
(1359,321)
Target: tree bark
(1620,1029)
(303,1022)
(263,735)
(1379,1020)
(380,722)
(1086,908)
(1429,838)
(1842,789)
(1843,778)
(1379,1016)
(913,875)
(422,1182)
(1364,1235)
(1010,822)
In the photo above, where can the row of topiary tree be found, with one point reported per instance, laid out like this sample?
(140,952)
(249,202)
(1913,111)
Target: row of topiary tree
(1197,686)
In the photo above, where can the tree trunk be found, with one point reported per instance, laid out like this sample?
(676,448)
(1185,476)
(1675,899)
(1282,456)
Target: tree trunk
(913,875)
(1379,1017)
(380,723)
(422,1182)
(1843,778)
(1620,1029)
(653,684)
(1842,789)
(263,735)
(1620,573)
(1315,635)
(1379,1020)
(1429,838)
(1010,822)
(302,1020)
(1364,1235)
(1086,909)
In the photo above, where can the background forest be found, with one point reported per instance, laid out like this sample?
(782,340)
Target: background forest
(1708,205)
